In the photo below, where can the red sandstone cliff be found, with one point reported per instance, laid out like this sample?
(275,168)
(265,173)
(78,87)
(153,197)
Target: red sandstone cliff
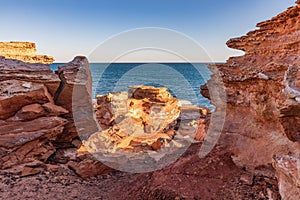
(262,127)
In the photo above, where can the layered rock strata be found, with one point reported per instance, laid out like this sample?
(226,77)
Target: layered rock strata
(147,118)
(37,130)
(45,115)
(30,120)
(263,107)
(24,51)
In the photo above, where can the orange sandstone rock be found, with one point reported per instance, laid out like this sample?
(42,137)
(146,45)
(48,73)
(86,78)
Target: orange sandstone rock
(24,51)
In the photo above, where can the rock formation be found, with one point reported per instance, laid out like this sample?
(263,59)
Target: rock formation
(263,107)
(30,121)
(287,171)
(145,121)
(75,95)
(37,130)
(45,115)
(146,118)
(24,51)
(258,150)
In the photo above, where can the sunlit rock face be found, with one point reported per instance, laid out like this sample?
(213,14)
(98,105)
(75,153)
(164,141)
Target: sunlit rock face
(45,115)
(24,51)
(263,108)
(146,118)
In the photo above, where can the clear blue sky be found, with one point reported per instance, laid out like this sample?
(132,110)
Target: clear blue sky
(65,28)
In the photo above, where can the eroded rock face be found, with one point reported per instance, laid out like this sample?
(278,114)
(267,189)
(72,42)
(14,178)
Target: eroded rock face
(288,174)
(24,51)
(262,89)
(32,73)
(145,118)
(32,122)
(75,95)
(27,129)
(144,129)
(143,112)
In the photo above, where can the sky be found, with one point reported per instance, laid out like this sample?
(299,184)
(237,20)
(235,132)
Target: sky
(66,28)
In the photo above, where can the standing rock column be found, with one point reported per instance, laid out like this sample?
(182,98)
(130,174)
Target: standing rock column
(75,95)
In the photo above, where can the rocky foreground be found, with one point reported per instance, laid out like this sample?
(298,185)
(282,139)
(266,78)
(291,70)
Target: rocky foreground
(42,155)
(256,157)
(45,117)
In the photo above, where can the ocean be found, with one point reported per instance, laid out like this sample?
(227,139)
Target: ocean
(182,79)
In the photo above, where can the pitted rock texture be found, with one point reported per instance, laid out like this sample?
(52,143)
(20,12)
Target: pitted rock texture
(24,51)
(288,174)
(262,87)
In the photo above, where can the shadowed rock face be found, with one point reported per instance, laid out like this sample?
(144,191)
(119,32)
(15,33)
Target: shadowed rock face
(75,95)
(263,107)
(28,127)
(24,51)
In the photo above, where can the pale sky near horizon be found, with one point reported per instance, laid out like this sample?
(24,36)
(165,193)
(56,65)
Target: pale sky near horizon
(65,28)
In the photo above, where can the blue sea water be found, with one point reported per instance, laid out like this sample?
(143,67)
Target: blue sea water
(182,79)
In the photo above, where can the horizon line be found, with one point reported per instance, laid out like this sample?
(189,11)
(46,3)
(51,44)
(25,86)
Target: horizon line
(146,62)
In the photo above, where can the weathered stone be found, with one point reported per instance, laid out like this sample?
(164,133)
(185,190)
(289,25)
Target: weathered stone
(262,111)
(30,73)
(30,112)
(24,51)
(15,94)
(55,110)
(23,142)
(29,171)
(14,134)
(75,95)
(288,174)
(247,179)
(31,133)
(86,166)
(144,112)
